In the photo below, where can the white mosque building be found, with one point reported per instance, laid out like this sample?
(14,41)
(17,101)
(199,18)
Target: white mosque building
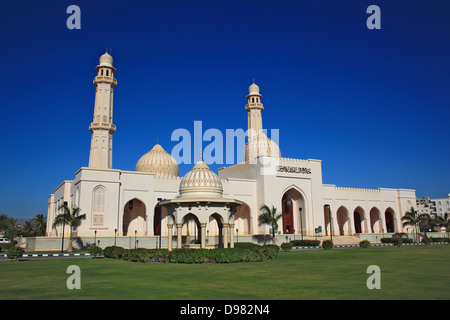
(154,201)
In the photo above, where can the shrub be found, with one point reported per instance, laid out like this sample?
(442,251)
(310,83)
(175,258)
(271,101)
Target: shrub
(95,251)
(392,240)
(113,252)
(136,255)
(246,245)
(15,253)
(427,240)
(287,246)
(398,242)
(305,243)
(327,244)
(364,244)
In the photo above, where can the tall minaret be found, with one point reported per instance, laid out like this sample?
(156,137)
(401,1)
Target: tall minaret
(102,127)
(254,109)
(258,144)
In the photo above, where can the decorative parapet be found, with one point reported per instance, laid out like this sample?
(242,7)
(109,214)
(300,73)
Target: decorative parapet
(347,189)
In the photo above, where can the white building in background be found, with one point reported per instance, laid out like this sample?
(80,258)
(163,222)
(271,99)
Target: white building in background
(154,199)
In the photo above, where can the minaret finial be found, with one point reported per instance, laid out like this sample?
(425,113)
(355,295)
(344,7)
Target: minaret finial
(157,140)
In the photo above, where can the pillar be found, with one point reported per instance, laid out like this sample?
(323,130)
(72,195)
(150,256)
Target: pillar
(179,235)
(225,235)
(170,227)
(231,235)
(203,235)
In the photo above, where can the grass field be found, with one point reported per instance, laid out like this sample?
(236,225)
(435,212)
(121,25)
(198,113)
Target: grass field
(406,273)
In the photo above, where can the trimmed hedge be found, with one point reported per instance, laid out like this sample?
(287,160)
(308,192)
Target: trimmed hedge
(305,243)
(217,255)
(395,240)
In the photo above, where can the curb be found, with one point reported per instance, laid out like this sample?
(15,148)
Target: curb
(34,255)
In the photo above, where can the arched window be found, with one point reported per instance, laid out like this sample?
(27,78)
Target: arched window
(98,206)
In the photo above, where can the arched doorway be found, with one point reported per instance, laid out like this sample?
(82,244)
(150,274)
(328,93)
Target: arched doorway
(342,219)
(293,206)
(157,221)
(134,217)
(358,218)
(216,229)
(191,228)
(389,219)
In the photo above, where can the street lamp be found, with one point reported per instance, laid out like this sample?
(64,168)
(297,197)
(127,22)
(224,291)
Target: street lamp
(331,224)
(135,232)
(95,237)
(64,223)
(115,237)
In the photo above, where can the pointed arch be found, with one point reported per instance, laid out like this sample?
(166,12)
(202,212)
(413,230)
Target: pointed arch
(134,217)
(98,205)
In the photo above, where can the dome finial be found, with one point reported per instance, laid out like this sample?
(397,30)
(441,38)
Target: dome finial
(201,155)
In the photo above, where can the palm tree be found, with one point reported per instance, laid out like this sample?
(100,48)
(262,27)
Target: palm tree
(40,224)
(413,219)
(445,222)
(71,218)
(270,217)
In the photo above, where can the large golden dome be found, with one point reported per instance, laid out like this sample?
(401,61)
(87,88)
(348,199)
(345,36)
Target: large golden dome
(159,162)
(260,146)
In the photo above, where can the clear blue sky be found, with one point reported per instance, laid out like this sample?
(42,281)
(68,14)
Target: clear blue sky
(373,105)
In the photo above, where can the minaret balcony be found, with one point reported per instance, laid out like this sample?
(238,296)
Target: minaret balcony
(102,126)
(105,79)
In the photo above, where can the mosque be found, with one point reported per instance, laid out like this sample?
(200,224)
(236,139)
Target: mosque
(205,208)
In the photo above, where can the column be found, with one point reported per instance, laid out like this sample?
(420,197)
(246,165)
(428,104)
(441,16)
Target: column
(231,235)
(203,234)
(170,227)
(179,235)
(225,235)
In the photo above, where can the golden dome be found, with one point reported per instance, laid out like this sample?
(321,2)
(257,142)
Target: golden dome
(201,182)
(260,146)
(159,162)
(106,60)
(253,89)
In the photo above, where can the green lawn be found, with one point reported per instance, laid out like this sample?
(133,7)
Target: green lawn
(406,273)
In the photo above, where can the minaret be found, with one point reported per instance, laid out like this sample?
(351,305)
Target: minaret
(258,144)
(254,109)
(102,127)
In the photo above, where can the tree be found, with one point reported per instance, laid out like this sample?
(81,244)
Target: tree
(270,217)
(445,222)
(413,219)
(71,218)
(40,225)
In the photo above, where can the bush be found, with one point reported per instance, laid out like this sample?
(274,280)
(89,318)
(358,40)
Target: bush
(364,244)
(327,244)
(392,240)
(95,251)
(287,246)
(217,255)
(398,242)
(245,245)
(15,253)
(113,252)
(427,240)
(305,243)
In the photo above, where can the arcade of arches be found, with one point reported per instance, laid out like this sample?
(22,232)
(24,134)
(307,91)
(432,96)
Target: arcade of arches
(359,222)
